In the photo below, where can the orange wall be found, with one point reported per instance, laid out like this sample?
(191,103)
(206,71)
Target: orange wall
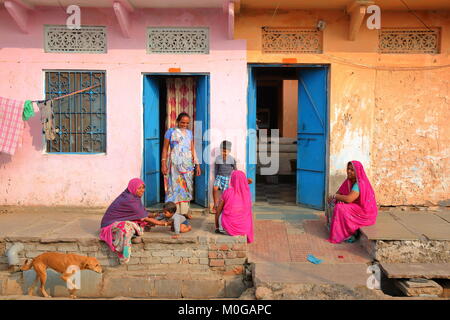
(290,106)
(390,111)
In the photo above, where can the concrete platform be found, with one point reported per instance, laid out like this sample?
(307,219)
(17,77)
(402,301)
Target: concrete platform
(199,265)
(417,270)
(351,275)
(409,237)
(307,281)
(411,225)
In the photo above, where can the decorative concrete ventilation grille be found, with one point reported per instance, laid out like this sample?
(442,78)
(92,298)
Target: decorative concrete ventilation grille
(88,39)
(183,40)
(409,41)
(291,40)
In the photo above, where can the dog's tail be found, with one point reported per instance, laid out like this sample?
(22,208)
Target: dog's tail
(27,265)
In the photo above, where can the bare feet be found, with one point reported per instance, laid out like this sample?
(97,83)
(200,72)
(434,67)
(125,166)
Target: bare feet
(136,240)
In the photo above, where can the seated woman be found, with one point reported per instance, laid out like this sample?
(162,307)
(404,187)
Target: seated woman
(234,211)
(125,218)
(353,206)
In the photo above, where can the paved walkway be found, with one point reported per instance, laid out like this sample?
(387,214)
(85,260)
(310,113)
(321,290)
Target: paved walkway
(290,233)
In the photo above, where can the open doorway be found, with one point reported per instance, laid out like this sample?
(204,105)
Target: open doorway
(276,109)
(191,93)
(294,100)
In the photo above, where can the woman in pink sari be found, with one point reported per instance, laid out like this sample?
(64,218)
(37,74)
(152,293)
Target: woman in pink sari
(353,206)
(234,212)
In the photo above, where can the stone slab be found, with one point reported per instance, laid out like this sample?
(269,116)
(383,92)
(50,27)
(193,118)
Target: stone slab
(308,273)
(416,270)
(388,231)
(432,288)
(90,284)
(429,225)
(80,226)
(201,289)
(444,215)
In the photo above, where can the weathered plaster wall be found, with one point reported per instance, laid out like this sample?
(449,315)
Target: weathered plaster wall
(33,177)
(382,113)
(290,106)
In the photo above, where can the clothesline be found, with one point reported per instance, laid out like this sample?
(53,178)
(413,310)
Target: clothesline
(69,94)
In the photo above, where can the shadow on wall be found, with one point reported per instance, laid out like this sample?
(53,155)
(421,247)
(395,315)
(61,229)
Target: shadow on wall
(5,158)
(335,182)
(34,128)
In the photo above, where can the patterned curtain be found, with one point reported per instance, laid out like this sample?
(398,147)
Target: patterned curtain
(180,98)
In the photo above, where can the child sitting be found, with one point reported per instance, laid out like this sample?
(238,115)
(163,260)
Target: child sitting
(223,166)
(179,222)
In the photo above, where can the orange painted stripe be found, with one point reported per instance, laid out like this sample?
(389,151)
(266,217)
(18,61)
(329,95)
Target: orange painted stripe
(289,60)
(174,69)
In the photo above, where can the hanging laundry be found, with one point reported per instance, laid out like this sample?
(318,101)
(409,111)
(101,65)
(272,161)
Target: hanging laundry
(11,125)
(47,119)
(28,110)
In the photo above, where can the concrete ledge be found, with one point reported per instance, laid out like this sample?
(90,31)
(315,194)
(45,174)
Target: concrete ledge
(130,284)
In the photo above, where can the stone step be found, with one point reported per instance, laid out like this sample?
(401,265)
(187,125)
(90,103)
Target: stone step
(416,270)
(290,280)
(144,284)
(411,289)
(408,237)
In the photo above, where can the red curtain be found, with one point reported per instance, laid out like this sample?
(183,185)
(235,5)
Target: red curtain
(180,98)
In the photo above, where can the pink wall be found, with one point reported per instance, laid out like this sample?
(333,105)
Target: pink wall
(32,177)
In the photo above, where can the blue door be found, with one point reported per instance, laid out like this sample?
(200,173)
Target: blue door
(311,136)
(151,166)
(251,134)
(201,136)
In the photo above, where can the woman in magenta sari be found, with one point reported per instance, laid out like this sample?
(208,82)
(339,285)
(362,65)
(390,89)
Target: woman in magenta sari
(234,212)
(352,207)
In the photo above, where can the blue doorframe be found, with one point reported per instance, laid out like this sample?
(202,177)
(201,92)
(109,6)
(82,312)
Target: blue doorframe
(151,169)
(312,132)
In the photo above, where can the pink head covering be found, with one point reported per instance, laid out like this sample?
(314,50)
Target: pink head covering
(349,217)
(237,216)
(134,184)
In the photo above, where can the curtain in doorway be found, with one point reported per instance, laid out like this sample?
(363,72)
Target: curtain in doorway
(180,98)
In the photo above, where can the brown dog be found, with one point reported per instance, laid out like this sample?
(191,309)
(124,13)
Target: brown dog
(62,263)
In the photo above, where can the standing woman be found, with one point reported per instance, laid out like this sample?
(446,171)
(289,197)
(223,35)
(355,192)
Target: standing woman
(179,163)
(352,207)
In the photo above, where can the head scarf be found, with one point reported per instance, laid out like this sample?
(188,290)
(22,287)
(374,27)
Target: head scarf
(237,216)
(127,206)
(134,184)
(366,197)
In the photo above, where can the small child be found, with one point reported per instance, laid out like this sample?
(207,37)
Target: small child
(179,221)
(224,165)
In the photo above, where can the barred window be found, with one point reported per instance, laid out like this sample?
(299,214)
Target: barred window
(417,40)
(80,119)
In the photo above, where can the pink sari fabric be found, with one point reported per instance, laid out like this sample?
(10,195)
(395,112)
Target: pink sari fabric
(349,217)
(237,218)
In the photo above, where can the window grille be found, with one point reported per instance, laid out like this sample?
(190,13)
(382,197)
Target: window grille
(291,40)
(409,40)
(184,40)
(80,120)
(88,39)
